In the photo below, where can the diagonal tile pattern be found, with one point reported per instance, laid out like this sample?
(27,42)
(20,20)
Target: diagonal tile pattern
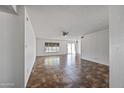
(68,71)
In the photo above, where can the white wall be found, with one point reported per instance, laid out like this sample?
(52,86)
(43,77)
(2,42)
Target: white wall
(12,49)
(116,28)
(41,48)
(95,47)
(30,47)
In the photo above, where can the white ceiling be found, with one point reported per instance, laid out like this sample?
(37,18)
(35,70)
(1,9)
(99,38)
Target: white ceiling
(50,21)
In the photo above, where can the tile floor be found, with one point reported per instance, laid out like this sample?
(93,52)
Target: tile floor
(68,71)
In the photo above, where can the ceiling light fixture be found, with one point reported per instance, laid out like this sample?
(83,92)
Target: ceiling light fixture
(65,33)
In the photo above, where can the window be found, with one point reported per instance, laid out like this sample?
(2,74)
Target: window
(51,47)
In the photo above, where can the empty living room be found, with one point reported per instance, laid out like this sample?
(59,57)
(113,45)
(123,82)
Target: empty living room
(72,46)
(62,46)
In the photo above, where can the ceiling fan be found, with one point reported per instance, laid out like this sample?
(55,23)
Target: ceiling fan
(65,33)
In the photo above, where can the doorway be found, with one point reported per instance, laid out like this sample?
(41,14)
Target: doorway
(71,48)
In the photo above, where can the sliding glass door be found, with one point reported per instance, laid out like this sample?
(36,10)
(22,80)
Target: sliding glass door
(71,48)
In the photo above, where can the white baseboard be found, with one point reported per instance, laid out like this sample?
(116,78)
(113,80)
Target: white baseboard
(29,73)
(96,61)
